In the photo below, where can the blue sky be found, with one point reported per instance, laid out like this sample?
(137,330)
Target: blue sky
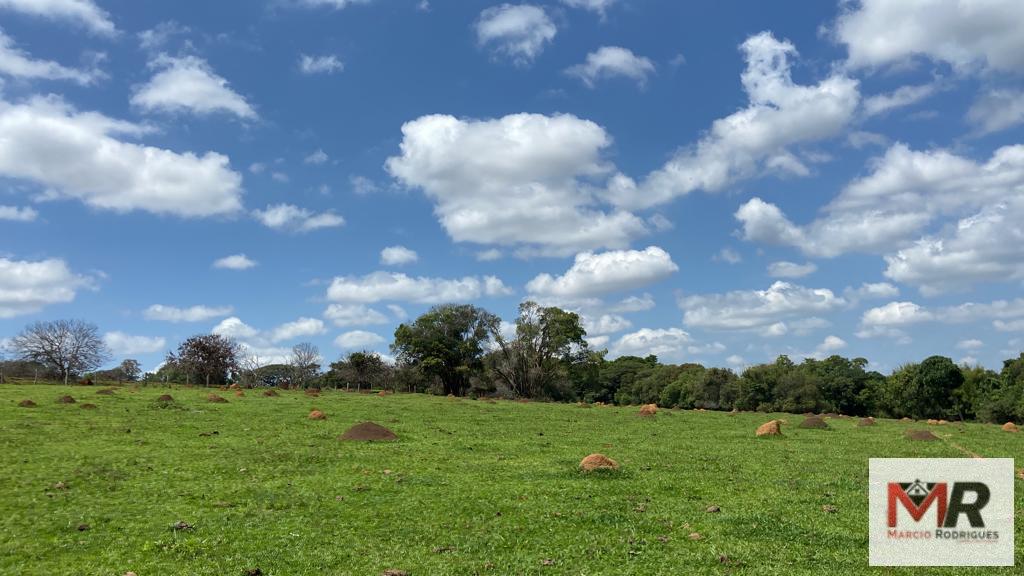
(718,183)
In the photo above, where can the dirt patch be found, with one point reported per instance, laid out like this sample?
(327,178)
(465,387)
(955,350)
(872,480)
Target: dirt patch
(165,398)
(770,428)
(598,462)
(383,393)
(105,392)
(270,393)
(215,399)
(814,423)
(88,406)
(1010,427)
(27,404)
(314,392)
(648,410)
(368,431)
(922,435)
(239,393)
(869,421)
(65,400)
(317,415)
(905,419)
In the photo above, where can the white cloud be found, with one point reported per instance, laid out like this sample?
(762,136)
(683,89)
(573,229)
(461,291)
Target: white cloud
(599,6)
(970,344)
(235,262)
(19,64)
(233,327)
(757,309)
(188,84)
(613,271)
(257,167)
(831,344)
(280,177)
(612,61)
(785,269)
(343,315)
(358,339)
(317,157)
(597,342)
(320,64)
(297,329)
(157,36)
(383,286)
(900,98)
(192,314)
(517,32)
(520,180)
(75,154)
(895,314)
(397,256)
(489,255)
(363,185)
(236,329)
(966,35)
(335,4)
(756,139)
(606,324)
(121,344)
(871,290)
(666,343)
(735,360)
(634,304)
(996,110)
(397,311)
(18,214)
(728,255)
(26,287)
(493,286)
(83,12)
(294,219)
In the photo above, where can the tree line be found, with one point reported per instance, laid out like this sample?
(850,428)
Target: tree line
(460,349)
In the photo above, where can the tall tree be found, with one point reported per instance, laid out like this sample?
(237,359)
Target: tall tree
(305,363)
(364,369)
(69,347)
(547,343)
(210,358)
(448,342)
(130,370)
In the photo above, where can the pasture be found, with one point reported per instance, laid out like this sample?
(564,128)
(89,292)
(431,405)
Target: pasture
(254,486)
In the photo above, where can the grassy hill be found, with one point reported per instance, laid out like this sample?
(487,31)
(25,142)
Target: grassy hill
(470,487)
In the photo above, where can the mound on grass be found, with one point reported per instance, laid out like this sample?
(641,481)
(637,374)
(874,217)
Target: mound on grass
(314,392)
(598,462)
(65,400)
(215,399)
(1010,427)
(105,392)
(869,421)
(368,432)
(383,393)
(814,423)
(270,393)
(648,410)
(27,404)
(922,435)
(317,415)
(770,428)
(88,406)
(165,398)
(239,393)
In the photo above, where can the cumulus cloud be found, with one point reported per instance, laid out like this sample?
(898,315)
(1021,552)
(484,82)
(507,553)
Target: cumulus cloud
(757,139)
(17,63)
(357,339)
(235,262)
(520,180)
(728,255)
(605,324)
(121,344)
(758,309)
(78,155)
(517,32)
(613,271)
(297,329)
(970,344)
(316,157)
(966,35)
(197,313)
(870,290)
(188,84)
(27,286)
(397,256)
(785,269)
(394,286)
(233,327)
(157,36)
(892,318)
(599,6)
(343,315)
(610,62)
(83,12)
(900,98)
(634,304)
(328,64)
(291,218)
(665,343)
(18,214)
(996,110)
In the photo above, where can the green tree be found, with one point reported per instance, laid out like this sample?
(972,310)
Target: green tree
(364,369)
(931,393)
(208,358)
(447,342)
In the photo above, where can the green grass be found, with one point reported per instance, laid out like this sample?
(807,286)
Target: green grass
(470,488)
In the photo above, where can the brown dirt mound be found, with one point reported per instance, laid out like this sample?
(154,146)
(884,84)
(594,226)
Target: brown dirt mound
(270,393)
(648,410)
(317,415)
(598,462)
(27,404)
(770,428)
(1010,427)
(312,391)
(869,421)
(65,400)
(923,435)
(814,422)
(368,431)
(234,387)
(89,406)
(905,419)
(239,393)
(105,392)
(215,399)
(165,398)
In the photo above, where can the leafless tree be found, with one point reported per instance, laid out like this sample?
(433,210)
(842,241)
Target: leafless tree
(67,346)
(305,362)
(250,367)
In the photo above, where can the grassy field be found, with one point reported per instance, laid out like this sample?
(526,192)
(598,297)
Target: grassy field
(470,488)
